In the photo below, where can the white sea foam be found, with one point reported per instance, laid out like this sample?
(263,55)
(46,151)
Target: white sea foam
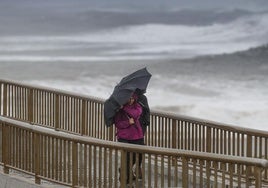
(176,40)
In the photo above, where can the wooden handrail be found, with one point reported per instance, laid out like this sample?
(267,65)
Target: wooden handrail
(163,153)
(140,149)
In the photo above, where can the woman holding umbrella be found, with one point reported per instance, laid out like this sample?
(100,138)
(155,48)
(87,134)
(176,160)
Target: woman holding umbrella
(123,110)
(129,129)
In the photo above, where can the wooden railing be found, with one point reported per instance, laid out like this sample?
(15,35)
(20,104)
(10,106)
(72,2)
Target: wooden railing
(83,115)
(80,161)
(55,109)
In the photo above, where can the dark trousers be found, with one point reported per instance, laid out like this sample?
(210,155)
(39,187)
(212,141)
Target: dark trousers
(138,142)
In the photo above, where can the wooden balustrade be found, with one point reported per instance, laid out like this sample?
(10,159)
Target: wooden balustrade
(80,161)
(83,115)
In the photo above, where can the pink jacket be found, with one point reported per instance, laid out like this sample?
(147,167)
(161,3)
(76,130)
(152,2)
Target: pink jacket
(124,129)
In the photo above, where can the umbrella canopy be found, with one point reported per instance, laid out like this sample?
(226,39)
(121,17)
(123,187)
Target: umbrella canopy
(123,91)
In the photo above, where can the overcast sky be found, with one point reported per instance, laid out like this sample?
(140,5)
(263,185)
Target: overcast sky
(157,4)
(196,4)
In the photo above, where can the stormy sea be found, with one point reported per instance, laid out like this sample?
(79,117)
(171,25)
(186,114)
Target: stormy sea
(208,64)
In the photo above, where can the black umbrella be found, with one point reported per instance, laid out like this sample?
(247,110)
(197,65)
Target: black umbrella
(123,91)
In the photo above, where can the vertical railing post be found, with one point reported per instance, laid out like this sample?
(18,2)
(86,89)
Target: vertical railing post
(5,99)
(185,172)
(208,138)
(208,173)
(123,168)
(258,176)
(57,112)
(30,105)
(5,147)
(174,134)
(111,133)
(249,170)
(249,176)
(174,139)
(74,165)
(84,116)
(37,157)
(249,145)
